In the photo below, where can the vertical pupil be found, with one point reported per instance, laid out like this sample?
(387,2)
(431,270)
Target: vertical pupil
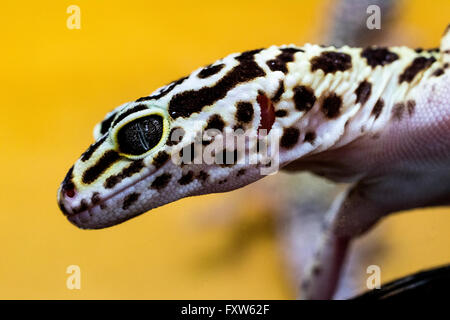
(140,135)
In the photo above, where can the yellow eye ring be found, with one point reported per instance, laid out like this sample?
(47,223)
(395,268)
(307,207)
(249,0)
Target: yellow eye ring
(142,133)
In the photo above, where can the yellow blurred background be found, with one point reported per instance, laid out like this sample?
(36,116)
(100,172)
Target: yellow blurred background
(57,83)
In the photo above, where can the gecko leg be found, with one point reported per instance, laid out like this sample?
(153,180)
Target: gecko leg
(351,214)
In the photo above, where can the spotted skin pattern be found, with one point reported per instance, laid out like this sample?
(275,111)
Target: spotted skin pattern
(375,117)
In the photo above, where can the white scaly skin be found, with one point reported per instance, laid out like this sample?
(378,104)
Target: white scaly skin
(396,149)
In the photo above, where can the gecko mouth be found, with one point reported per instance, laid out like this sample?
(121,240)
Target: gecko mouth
(83,214)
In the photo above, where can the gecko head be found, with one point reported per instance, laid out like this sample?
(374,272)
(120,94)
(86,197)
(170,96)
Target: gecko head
(142,159)
(200,134)
(108,183)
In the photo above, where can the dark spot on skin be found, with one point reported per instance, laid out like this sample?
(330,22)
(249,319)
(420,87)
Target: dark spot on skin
(281,61)
(244,112)
(90,151)
(279,92)
(107,160)
(439,72)
(126,172)
(291,51)
(289,138)
(310,137)
(106,124)
(161,181)
(83,207)
(378,56)
(363,92)
(346,124)
(411,107)
(397,111)
(330,62)
(331,106)
(63,208)
(240,172)
(416,66)
(377,108)
(186,178)
(163,91)
(210,70)
(129,200)
(280,113)
(190,151)
(202,175)
(363,129)
(276,65)
(175,136)
(316,270)
(248,55)
(222,181)
(215,122)
(68,187)
(126,113)
(207,142)
(95,198)
(188,102)
(160,159)
(304,98)
(267,112)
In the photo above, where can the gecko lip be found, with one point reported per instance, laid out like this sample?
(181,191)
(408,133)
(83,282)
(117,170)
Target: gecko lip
(80,218)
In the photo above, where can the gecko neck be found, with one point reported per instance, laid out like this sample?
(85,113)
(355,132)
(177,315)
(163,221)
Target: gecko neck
(332,97)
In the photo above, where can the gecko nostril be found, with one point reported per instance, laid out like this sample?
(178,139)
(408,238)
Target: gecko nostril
(68,187)
(70,193)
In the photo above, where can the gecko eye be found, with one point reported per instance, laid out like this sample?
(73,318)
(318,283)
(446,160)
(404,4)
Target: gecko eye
(139,131)
(140,135)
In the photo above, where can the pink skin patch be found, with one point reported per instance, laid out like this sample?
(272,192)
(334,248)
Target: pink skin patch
(267,112)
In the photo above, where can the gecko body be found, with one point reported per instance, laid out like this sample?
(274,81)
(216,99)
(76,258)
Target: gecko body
(377,117)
